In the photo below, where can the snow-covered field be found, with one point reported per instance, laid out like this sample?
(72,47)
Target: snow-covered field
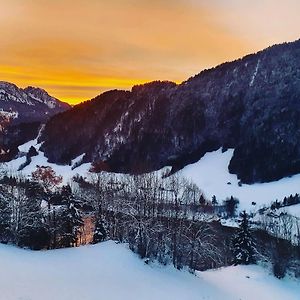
(210,173)
(110,271)
(293,210)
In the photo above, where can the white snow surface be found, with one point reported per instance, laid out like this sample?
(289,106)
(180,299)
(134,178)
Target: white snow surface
(211,174)
(25,147)
(65,171)
(112,272)
(293,210)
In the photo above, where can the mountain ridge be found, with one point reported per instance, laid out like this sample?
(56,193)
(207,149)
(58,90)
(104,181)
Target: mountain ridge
(250,104)
(161,123)
(21,113)
(13,98)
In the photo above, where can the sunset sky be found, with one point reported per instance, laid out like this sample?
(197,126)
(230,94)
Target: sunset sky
(76,49)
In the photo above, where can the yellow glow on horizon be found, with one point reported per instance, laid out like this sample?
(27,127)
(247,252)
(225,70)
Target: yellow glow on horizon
(76,49)
(71,88)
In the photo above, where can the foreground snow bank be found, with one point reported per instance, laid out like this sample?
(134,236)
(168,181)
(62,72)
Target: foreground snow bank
(250,282)
(112,272)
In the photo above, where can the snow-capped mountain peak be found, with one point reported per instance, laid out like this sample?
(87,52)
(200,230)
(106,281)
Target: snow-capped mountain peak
(9,93)
(30,104)
(42,96)
(21,113)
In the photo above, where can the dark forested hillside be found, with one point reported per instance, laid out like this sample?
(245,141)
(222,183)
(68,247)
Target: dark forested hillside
(252,105)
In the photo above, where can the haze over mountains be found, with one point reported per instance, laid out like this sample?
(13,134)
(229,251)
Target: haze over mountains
(251,105)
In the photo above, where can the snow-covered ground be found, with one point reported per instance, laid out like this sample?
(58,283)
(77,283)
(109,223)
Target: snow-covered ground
(210,173)
(293,210)
(112,272)
(67,172)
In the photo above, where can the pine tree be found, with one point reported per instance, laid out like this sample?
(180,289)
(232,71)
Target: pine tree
(202,200)
(5,216)
(243,244)
(231,206)
(31,230)
(214,201)
(34,190)
(71,218)
(99,232)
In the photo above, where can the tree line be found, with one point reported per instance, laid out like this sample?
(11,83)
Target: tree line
(168,220)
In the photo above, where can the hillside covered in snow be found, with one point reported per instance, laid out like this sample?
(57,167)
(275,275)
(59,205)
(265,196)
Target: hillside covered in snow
(210,174)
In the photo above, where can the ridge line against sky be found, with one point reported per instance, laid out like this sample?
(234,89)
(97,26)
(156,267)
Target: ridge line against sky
(78,49)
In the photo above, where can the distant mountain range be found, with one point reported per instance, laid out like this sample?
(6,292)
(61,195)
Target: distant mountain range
(28,105)
(251,104)
(21,113)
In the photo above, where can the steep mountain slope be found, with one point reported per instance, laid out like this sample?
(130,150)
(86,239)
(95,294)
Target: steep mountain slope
(21,112)
(251,105)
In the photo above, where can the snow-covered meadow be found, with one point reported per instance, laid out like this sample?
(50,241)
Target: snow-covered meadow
(211,174)
(111,271)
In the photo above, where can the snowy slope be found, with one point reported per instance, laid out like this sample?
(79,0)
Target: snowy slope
(293,210)
(211,174)
(112,272)
(67,172)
